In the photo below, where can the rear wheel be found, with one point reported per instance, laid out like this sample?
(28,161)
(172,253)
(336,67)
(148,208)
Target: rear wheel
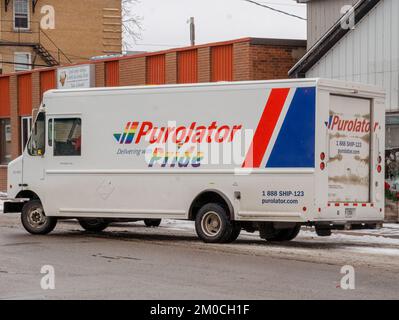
(213,225)
(35,220)
(279,235)
(94,225)
(152,223)
(234,234)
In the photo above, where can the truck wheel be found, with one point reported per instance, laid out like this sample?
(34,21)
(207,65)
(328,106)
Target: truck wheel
(234,234)
(93,225)
(35,220)
(213,225)
(152,223)
(281,235)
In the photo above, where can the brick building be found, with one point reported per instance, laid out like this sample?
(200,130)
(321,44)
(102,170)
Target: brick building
(238,60)
(54,32)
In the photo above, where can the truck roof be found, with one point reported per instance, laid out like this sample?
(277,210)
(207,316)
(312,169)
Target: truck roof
(299,82)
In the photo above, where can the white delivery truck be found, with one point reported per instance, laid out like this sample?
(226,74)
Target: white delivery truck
(267,156)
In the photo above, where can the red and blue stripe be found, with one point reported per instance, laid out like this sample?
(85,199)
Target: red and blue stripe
(294,146)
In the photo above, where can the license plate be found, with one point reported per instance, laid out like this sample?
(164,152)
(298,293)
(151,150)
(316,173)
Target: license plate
(350,212)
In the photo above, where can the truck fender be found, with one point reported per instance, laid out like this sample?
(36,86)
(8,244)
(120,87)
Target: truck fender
(209,196)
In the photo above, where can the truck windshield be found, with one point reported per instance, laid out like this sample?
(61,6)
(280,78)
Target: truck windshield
(36,145)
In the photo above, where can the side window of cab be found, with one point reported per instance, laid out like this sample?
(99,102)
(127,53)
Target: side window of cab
(67,137)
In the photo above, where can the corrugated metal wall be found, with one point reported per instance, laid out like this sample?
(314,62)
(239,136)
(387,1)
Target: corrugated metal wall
(112,74)
(156,70)
(25,94)
(222,63)
(369,53)
(47,81)
(322,14)
(187,66)
(5,97)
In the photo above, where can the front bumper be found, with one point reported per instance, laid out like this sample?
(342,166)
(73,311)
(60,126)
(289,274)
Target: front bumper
(13,205)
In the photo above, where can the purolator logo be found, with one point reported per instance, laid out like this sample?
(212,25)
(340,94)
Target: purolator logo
(136,132)
(336,123)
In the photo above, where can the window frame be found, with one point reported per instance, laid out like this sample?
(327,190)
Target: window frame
(19,13)
(29,63)
(53,140)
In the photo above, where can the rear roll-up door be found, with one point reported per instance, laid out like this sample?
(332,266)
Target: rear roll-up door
(350,128)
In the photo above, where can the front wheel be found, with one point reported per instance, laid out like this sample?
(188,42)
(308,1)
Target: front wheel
(93,225)
(35,220)
(213,225)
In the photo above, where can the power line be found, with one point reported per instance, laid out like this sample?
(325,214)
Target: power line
(275,10)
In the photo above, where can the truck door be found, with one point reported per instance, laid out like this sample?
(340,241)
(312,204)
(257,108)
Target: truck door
(33,174)
(350,126)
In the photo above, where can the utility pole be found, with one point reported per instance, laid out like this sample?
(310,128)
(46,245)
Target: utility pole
(192,31)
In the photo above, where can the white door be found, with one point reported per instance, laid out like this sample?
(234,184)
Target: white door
(350,129)
(33,174)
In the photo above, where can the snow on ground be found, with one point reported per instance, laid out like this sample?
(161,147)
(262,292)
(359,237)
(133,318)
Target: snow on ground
(386,234)
(377,251)
(384,241)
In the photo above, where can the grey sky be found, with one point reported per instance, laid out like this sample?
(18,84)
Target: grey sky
(165,21)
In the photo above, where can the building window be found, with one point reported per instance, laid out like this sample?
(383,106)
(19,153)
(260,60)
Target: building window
(5,141)
(67,137)
(26,128)
(22,61)
(21,14)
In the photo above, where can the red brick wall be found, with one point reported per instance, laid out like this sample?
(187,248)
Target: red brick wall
(171,68)
(204,64)
(132,71)
(100,74)
(272,62)
(15,120)
(241,61)
(3,178)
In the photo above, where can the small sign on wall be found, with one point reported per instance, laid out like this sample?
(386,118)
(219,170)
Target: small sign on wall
(7,129)
(76,77)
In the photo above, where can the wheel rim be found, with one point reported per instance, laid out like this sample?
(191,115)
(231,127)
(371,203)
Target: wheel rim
(211,224)
(37,218)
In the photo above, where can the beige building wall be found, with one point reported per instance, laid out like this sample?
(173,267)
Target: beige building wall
(83,29)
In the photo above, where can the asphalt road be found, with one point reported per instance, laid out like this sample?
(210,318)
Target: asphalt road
(133,262)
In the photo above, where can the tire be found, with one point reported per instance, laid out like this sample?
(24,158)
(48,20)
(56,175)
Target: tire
(213,225)
(152,223)
(234,234)
(93,225)
(35,220)
(284,234)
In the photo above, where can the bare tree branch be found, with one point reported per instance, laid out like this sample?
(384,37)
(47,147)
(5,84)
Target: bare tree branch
(131,24)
